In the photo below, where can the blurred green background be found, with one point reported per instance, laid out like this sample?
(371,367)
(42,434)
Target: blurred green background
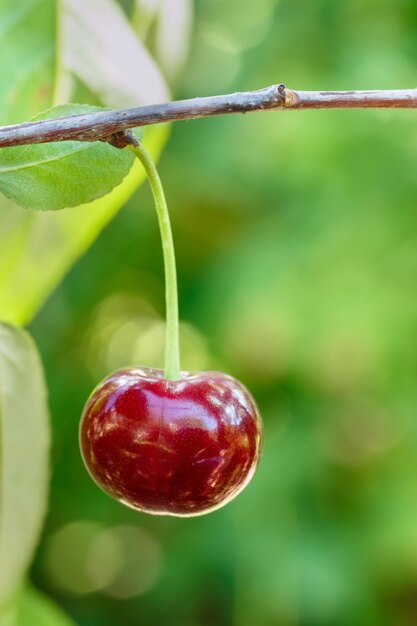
(295,235)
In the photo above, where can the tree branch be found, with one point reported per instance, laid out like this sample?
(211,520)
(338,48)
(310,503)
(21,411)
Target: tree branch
(112,126)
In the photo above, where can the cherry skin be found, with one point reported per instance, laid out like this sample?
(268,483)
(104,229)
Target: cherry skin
(183,447)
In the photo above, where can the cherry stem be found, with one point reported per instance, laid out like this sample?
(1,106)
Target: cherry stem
(172,349)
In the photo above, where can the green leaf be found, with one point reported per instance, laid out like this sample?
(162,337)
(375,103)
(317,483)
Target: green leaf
(35,609)
(61,174)
(24,444)
(28,58)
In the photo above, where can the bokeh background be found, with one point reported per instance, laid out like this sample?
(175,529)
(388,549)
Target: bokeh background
(296,246)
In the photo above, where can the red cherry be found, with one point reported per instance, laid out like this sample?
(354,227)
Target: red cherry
(181,447)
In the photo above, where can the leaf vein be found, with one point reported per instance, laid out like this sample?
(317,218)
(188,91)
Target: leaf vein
(29,164)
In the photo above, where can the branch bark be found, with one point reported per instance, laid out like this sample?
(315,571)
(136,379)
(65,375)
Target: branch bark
(114,126)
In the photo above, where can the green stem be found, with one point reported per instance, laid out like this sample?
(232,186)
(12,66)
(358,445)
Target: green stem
(172,350)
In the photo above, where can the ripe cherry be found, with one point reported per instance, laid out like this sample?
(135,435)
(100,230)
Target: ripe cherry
(182,447)
(174,443)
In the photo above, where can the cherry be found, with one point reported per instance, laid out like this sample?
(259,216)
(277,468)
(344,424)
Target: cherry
(170,442)
(175,447)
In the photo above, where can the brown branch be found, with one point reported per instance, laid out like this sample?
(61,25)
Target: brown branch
(111,126)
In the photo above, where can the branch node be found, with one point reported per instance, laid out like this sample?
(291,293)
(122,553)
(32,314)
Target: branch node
(291,98)
(279,96)
(121,139)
